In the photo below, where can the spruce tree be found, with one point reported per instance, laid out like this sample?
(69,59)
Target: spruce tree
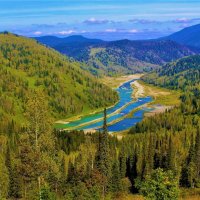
(14,183)
(103,157)
(115,179)
(188,171)
(171,162)
(63,173)
(122,159)
(197,154)
(9,167)
(149,162)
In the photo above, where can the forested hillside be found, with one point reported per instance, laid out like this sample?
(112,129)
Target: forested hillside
(158,158)
(181,74)
(174,136)
(160,155)
(27,67)
(119,57)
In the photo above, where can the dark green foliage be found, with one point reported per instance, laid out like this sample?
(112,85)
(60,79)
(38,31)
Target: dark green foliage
(182,74)
(197,157)
(46,194)
(159,185)
(116,183)
(104,150)
(104,157)
(122,159)
(99,165)
(14,183)
(170,143)
(70,141)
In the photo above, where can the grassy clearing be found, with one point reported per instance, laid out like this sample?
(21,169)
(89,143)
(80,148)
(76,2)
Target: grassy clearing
(129,197)
(160,95)
(115,82)
(162,98)
(190,194)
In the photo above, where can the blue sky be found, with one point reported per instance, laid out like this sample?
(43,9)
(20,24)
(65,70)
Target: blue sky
(106,19)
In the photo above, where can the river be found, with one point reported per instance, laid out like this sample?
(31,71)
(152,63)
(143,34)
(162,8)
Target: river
(117,118)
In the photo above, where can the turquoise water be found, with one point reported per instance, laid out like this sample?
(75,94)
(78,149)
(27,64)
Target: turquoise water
(125,104)
(125,93)
(124,123)
(128,122)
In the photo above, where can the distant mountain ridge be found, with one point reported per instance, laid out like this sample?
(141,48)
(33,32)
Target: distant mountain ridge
(53,40)
(189,36)
(118,57)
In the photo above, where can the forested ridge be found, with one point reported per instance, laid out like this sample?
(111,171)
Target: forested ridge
(119,57)
(26,67)
(177,131)
(182,74)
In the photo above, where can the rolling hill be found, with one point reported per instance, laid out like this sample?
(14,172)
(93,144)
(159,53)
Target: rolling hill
(118,57)
(181,74)
(53,40)
(189,36)
(26,66)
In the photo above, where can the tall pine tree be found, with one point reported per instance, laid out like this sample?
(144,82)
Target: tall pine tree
(197,155)
(103,158)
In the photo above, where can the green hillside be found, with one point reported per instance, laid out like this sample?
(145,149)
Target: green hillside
(174,136)
(181,74)
(26,66)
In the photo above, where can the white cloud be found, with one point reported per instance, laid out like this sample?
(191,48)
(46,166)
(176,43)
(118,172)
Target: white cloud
(144,21)
(37,33)
(182,20)
(93,21)
(83,31)
(68,32)
(133,31)
(111,30)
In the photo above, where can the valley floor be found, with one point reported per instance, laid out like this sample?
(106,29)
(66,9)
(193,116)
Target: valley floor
(163,99)
(112,82)
(115,82)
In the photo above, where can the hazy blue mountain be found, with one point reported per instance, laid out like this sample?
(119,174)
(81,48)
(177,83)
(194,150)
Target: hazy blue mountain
(189,36)
(54,41)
